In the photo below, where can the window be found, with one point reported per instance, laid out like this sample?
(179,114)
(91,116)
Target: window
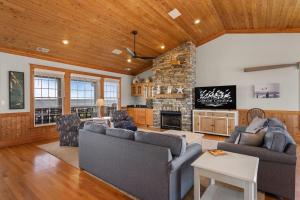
(83,98)
(111,96)
(47,99)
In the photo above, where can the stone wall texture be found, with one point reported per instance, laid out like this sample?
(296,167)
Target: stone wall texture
(175,68)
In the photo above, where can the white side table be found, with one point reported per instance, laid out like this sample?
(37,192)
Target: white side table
(234,169)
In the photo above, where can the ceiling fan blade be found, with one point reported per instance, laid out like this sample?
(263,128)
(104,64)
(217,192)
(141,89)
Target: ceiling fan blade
(145,57)
(131,53)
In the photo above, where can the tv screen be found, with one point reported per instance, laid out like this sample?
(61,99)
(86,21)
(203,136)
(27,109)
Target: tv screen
(216,97)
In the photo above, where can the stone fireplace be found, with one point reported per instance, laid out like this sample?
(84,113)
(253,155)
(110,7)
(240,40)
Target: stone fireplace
(175,68)
(170,120)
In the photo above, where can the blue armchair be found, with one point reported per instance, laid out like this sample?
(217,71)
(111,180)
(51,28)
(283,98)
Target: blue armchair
(68,127)
(121,119)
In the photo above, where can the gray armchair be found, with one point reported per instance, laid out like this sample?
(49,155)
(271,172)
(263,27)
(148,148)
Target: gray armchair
(276,171)
(68,126)
(121,119)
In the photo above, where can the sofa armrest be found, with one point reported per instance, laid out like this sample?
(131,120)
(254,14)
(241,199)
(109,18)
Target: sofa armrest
(193,151)
(262,153)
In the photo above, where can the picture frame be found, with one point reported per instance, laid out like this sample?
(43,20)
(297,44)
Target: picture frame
(267,91)
(16,90)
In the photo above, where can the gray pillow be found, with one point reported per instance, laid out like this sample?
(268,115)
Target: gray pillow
(94,127)
(274,122)
(238,129)
(277,139)
(252,139)
(256,124)
(120,133)
(176,143)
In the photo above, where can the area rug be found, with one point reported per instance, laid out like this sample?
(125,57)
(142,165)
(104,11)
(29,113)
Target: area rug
(67,154)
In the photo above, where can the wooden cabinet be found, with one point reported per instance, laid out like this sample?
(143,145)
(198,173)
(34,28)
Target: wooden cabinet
(142,90)
(141,116)
(215,122)
(149,117)
(137,89)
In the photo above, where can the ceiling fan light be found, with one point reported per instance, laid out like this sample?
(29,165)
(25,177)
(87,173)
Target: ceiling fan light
(197,21)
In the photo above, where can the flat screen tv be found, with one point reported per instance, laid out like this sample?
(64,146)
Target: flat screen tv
(216,97)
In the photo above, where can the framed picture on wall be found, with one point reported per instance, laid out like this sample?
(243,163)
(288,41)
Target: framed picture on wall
(271,90)
(16,90)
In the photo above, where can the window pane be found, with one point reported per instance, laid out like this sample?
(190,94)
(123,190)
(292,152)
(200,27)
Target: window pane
(48,106)
(83,98)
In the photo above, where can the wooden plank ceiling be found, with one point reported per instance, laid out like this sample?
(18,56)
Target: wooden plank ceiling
(96,27)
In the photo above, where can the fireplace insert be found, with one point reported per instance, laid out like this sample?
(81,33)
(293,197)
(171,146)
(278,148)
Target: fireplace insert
(170,120)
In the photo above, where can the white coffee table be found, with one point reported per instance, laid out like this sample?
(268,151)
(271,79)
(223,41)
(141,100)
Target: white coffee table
(234,169)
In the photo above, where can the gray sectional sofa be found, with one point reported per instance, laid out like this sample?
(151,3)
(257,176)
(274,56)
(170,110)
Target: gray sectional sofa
(276,170)
(146,165)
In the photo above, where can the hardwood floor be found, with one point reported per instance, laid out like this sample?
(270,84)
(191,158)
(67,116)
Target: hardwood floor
(29,173)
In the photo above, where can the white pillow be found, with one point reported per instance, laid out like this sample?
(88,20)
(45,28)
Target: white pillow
(256,124)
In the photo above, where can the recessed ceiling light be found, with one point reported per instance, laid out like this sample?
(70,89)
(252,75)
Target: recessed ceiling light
(197,21)
(128,69)
(162,46)
(129,60)
(65,42)
(117,51)
(43,50)
(174,13)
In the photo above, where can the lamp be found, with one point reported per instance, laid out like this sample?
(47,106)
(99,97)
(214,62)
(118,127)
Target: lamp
(100,103)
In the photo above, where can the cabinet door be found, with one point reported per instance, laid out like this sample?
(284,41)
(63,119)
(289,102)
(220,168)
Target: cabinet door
(196,122)
(206,124)
(149,117)
(141,116)
(220,125)
(131,113)
(133,90)
(231,126)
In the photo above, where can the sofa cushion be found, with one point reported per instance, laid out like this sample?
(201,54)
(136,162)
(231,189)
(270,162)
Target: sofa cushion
(120,133)
(95,127)
(176,143)
(252,139)
(256,124)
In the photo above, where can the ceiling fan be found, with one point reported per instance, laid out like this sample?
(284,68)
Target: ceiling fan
(133,54)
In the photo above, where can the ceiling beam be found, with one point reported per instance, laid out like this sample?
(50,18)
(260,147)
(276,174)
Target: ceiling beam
(270,67)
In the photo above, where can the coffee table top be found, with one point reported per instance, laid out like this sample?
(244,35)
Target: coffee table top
(235,165)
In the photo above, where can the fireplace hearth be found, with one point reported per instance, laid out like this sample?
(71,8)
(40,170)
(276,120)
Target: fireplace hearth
(170,120)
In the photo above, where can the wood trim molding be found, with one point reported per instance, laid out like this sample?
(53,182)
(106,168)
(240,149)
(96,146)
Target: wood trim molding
(265,30)
(211,37)
(67,93)
(65,61)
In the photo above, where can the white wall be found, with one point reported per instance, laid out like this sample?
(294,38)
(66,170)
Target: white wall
(221,62)
(9,62)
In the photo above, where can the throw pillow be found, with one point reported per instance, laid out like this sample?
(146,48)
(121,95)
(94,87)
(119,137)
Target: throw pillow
(120,133)
(233,137)
(176,143)
(274,122)
(256,124)
(252,139)
(277,139)
(95,127)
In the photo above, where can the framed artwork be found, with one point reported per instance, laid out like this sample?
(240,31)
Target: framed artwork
(16,90)
(271,90)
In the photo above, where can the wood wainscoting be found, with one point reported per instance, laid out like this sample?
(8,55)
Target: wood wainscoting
(290,118)
(17,128)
